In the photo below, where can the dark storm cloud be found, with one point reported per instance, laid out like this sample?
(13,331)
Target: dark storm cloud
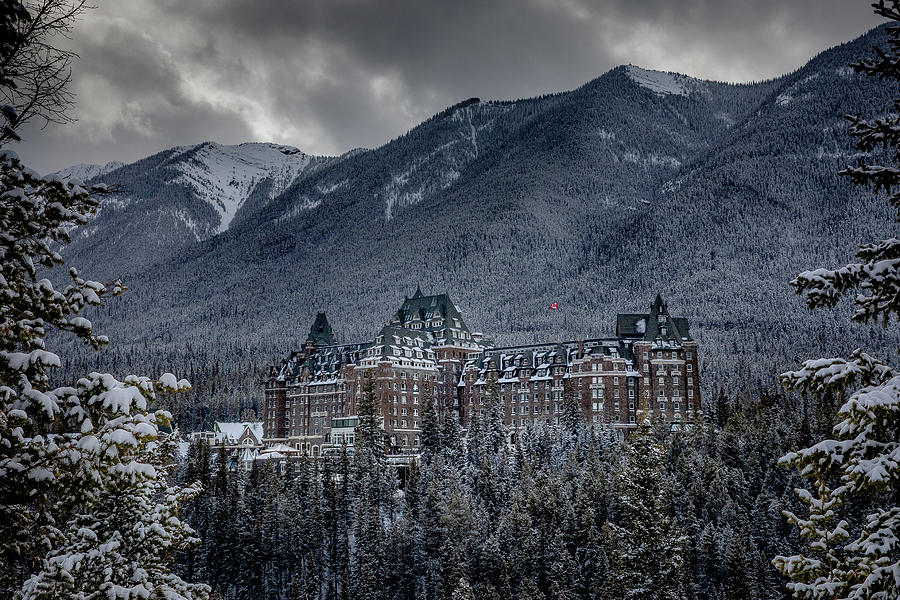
(330,75)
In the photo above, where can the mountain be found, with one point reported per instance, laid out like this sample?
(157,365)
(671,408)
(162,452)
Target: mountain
(86,171)
(178,197)
(636,183)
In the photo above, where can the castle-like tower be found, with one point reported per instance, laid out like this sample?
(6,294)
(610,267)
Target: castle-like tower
(649,368)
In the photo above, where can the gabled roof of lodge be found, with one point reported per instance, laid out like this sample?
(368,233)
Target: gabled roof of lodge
(541,356)
(656,325)
(436,314)
(321,334)
(423,321)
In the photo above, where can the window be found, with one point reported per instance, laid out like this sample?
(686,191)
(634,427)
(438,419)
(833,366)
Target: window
(662,393)
(676,406)
(689,367)
(646,355)
(688,355)
(631,419)
(631,406)
(690,406)
(631,393)
(615,393)
(615,381)
(662,406)
(690,393)
(615,406)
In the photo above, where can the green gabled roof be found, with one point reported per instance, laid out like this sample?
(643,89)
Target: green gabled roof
(425,309)
(321,334)
(389,332)
(629,325)
(650,326)
(331,358)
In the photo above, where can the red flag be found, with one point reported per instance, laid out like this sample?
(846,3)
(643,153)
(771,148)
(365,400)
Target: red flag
(554,306)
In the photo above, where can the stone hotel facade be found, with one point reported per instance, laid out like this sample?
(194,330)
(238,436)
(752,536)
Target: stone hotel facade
(650,365)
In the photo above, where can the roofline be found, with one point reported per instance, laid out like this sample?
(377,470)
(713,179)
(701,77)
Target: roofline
(612,339)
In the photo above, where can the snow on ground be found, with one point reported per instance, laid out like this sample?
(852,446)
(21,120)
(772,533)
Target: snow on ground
(658,81)
(224,176)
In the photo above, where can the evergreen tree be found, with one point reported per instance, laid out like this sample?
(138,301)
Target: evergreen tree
(494,431)
(431,433)
(737,576)
(573,417)
(853,555)
(646,544)
(123,545)
(369,435)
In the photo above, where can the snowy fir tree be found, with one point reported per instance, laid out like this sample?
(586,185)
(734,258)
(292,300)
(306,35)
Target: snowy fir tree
(65,449)
(852,528)
(85,505)
(643,529)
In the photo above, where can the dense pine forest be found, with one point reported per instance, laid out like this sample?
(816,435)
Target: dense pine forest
(568,513)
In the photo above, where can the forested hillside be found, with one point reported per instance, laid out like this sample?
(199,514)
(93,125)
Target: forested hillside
(598,198)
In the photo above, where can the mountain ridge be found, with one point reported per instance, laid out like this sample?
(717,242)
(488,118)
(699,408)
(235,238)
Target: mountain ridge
(597,198)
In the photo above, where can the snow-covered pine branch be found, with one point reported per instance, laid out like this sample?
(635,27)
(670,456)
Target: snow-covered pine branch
(848,556)
(84,504)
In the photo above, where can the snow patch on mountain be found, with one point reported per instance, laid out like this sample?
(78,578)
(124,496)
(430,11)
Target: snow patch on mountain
(86,171)
(439,168)
(303,204)
(326,189)
(654,160)
(190,223)
(659,82)
(225,176)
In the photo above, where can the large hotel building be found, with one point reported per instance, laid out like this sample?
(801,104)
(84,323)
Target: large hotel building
(310,399)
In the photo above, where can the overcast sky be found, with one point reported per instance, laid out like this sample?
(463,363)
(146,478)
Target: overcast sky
(330,75)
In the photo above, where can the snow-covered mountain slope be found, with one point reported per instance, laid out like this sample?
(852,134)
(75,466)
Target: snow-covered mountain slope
(225,176)
(597,198)
(85,171)
(662,82)
(180,196)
